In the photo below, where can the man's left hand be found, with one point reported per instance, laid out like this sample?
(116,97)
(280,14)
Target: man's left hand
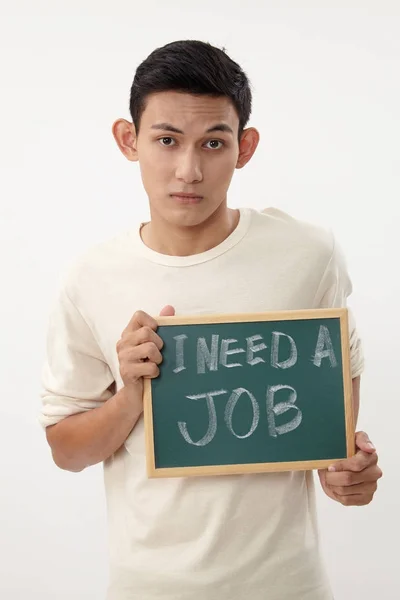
(353,481)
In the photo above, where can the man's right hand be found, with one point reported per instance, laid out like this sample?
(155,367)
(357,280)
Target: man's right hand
(139,349)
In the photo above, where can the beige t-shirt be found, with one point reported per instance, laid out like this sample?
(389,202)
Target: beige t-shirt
(203,538)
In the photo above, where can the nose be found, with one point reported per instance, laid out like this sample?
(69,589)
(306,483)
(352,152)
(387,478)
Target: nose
(189,167)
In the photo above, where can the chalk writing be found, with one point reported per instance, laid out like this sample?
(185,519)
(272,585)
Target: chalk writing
(230,407)
(213,353)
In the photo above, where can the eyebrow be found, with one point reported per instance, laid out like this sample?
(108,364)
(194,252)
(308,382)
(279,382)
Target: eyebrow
(168,127)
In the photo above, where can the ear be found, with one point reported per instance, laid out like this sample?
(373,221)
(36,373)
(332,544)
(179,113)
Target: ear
(247,146)
(125,136)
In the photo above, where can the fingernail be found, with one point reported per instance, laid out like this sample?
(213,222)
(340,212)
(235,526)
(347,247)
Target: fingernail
(331,468)
(370,444)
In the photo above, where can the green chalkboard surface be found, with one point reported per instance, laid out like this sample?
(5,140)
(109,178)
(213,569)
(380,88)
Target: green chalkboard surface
(250,393)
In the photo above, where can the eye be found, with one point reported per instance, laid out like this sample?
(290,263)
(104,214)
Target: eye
(216,142)
(165,139)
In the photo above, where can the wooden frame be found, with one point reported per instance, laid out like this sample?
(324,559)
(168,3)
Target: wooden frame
(322,313)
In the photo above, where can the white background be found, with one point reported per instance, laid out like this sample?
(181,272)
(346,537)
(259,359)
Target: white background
(325,79)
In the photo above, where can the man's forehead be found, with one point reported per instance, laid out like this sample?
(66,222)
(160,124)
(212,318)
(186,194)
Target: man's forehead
(181,109)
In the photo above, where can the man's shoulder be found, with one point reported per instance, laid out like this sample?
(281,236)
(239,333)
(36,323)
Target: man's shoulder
(89,265)
(292,232)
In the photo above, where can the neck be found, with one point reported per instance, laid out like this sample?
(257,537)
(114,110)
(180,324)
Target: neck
(168,239)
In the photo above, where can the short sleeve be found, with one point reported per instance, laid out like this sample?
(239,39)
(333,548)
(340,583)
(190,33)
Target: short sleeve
(75,376)
(333,292)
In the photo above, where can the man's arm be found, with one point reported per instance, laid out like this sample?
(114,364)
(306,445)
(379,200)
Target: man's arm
(350,481)
(90,437)
(356,398)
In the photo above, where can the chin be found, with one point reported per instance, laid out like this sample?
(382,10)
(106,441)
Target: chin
(188,216)
(187,220)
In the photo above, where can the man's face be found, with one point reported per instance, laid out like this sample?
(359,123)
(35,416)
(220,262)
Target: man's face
(193,161)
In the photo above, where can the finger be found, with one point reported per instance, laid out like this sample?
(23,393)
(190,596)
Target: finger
(359,488)
(361,460)
(152,373)
(364,443)
(140,319)
(167,311)
(349,479)
(142,352)
(147,370)
(135,338)
(354,499)
(142,335)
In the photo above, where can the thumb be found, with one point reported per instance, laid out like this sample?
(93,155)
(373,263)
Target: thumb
(167,311)
(357,462)
(364,443)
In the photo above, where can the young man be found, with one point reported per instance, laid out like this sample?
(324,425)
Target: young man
(220,538)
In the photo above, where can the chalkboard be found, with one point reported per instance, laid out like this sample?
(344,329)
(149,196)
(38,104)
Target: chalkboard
(249,393)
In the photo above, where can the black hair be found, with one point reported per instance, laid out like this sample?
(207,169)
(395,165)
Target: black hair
(194,67)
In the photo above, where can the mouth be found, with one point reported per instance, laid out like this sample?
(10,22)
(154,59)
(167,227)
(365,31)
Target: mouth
(187,198)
